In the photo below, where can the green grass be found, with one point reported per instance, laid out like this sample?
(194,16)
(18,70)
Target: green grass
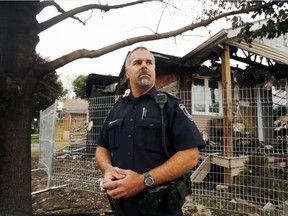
(35,139)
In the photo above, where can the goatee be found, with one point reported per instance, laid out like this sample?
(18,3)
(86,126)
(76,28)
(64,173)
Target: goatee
(144,82)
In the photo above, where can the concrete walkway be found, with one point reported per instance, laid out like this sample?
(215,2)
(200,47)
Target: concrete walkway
(34,147)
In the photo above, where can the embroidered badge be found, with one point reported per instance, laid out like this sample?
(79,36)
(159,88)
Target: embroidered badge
(185,111)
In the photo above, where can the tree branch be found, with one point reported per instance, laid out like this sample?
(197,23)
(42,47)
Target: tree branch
(44,4)
(48,3)
(68,14)
(83,53)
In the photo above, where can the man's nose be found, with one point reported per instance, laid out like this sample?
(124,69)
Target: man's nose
(144,64)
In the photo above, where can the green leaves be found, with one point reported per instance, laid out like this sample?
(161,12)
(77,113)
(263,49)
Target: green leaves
(276,16)
(79,85)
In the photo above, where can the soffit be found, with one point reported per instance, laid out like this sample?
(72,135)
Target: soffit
(275,49)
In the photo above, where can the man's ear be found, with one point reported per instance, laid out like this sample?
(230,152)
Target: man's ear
(127,73)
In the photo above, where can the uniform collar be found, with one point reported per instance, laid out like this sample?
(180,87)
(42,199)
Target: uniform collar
(151,93)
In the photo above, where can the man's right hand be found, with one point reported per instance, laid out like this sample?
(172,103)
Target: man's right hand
(111,174)
(128,183)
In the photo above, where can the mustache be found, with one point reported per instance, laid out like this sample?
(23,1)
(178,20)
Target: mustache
(144,72)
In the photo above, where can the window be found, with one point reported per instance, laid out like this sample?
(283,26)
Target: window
(206,97)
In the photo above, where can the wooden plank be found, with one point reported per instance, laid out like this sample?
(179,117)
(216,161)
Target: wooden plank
(220,161)
(227,110)
(238,161)
(236,171)
(201,172)
(227,103)
(229,162)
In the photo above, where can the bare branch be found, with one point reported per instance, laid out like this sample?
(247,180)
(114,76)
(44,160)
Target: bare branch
(83,53)
(160,18)
(48,3)
(91,14)
(142,27)
(45,4)
(53,21)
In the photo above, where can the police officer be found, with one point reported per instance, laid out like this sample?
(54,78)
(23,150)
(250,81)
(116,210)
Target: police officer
(129,151)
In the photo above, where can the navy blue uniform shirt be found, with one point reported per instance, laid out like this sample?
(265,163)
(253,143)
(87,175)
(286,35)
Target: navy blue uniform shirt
(132,131)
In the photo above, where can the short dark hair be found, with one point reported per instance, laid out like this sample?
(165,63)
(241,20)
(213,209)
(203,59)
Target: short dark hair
(130,53)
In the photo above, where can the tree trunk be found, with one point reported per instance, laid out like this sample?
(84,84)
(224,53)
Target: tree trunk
(15,162)
(18,39)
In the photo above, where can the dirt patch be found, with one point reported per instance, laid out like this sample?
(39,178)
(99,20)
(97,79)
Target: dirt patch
(67,201)
(63,200)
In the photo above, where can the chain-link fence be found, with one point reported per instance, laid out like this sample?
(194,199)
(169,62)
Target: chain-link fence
(243,168)
(46,138)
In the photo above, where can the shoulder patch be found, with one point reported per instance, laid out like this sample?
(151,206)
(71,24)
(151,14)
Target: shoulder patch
(185,111)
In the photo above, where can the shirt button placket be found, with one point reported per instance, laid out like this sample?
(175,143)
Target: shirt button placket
(130,133)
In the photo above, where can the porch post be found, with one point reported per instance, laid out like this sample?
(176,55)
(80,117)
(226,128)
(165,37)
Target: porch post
(227,111)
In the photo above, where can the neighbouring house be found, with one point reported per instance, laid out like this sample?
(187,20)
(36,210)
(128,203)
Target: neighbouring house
(75,121)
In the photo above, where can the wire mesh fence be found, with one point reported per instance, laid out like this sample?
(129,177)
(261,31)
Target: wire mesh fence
(243,168)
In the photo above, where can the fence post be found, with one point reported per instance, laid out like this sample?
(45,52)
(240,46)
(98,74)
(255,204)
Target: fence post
(286,208)
(228,119)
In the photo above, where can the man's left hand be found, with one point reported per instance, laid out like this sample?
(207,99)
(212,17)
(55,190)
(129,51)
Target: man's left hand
(129,185)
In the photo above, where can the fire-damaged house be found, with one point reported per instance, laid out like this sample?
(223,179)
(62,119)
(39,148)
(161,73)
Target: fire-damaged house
(236,93)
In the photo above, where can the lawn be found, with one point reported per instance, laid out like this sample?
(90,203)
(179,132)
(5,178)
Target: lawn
(34,138)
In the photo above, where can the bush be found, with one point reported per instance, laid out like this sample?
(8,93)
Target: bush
(261,182)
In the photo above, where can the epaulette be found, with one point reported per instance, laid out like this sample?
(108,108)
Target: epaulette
(170,95)
(119,100)
(123,97)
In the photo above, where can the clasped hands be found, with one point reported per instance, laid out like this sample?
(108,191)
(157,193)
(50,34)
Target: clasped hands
(121,183)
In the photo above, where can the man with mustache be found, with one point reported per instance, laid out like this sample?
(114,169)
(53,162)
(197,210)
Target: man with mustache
(141,175)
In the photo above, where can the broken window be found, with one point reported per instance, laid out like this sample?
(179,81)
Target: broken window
(206,97)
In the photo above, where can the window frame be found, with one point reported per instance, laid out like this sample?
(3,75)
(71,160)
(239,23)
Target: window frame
(206,95)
